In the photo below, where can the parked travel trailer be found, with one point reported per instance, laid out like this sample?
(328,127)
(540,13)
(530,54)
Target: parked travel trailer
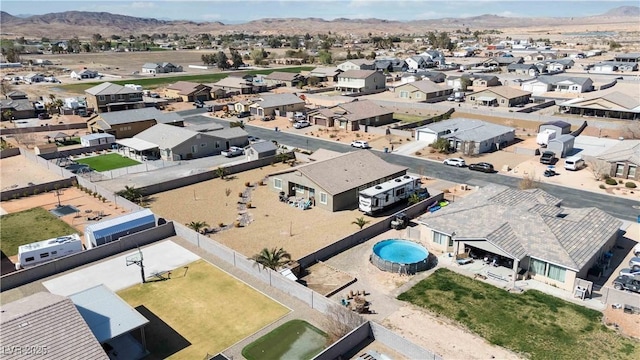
(42,251)
(113,229)
(544,136)
(388,193)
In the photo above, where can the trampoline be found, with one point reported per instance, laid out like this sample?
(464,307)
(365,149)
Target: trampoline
(64,210)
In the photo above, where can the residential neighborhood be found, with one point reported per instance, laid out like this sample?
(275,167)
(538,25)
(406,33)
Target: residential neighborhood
(293,187)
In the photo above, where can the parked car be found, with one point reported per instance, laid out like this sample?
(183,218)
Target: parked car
(301,124)
(548,157)
(44,116)
(459,162)
(198,103)
(244,114)
(634,263)
(626,283)
(482,166)
(360,144)
(550,173)
(233,151)
(451,98)
(268,118)
(210,108)
(299,116)
(629,272)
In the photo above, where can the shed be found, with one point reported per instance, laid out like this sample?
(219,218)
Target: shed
(97,139)
(45,149)
(562,145)
(560,127)
(113,229)
(261,149)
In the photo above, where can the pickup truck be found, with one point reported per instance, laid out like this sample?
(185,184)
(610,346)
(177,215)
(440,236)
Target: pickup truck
(548,157)
(233,151)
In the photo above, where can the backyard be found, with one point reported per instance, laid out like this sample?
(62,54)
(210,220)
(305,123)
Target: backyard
(296,339)
(534,324)
(28,226)
(108,162)
(200,310)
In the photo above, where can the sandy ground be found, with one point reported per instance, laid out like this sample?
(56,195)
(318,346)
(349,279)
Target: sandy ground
(17,171)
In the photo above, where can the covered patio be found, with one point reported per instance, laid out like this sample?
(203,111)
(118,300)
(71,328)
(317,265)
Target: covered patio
(138,149)
(487,100)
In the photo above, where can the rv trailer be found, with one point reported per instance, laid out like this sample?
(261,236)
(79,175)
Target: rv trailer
(42,251)
(388,193)
(113,229)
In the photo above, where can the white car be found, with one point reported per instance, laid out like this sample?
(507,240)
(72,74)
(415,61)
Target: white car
(233,151)
(301,124)
(360,144)
(629,272)
(454,162)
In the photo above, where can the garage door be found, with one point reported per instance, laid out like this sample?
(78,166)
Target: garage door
(202,97)
(320,121)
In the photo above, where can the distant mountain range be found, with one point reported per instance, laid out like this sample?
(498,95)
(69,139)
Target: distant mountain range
(84,24)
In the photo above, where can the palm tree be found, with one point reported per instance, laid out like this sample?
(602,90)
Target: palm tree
(272,259)
(221,172)
(361,222)
(198,226)
(414,199)
(130,193)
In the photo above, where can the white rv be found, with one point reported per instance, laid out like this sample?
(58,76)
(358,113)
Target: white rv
(388,193)
(544,137)
(42,251)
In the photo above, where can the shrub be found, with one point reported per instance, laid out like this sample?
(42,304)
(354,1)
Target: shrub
(630,185)
(418,153)
(332,136)
(611,181)
(605,176)
(240,194)
(221,224)
(619,181)
(602,186)
(247,184)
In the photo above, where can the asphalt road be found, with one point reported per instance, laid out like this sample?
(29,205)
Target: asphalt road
(616,206)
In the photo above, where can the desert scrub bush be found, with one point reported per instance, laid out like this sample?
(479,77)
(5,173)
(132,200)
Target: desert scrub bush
(630,185)
(611,181)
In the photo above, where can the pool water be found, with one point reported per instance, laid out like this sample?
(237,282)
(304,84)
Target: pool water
(400,251)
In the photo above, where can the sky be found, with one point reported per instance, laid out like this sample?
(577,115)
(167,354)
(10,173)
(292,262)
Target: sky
(239,11)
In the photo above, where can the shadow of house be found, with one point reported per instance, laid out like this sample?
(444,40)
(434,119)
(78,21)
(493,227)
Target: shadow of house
(163,341)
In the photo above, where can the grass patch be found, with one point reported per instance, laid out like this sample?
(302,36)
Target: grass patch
(28,226)
(535,324)
(408,118)
(200,310)
(108,162)
(155,82)
(296,339)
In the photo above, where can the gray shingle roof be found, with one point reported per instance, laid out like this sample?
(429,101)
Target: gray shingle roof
(51,321)
(229,133)
(276,100)
(361,109)
(523,223)
(626,150)
(356,74)
(282,76)
(428,86)
(108,88)
(468,129)
(264,146)
(17,105)
(135,115)
(167,136)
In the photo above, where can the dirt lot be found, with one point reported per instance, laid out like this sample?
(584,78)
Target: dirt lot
(18,172)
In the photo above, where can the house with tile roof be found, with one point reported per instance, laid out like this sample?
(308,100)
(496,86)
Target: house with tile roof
(351,116)
(423,91)
(281,78)
(334,183)
(361,81)
(523,69)
(235,85)
(616,105)
(503,96)
(276,104)
(468,136)
(108,97)
(16,109)
(127,123)
(527,231)
(188,91)
(563,84)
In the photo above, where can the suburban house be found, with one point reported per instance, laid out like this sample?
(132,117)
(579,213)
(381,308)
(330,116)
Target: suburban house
(391,65)
(525,230)
(558,65)
(563,84)
(188,91)
(49,321)
(352,116)
(435,76)
(276,104)
(624,159)
(16,95)
(279,78)
(628,57)
(235,85)
(325,74)
(468,136)
(108,97)
(433,57)
(160,68)
(502,61)
(16,109)
(504,96)
(475,80)
(260,150)
(333,184)
(128,123)
(615,105)
(174,143)
(357,64)
(418,62)
(361,81)
(423,90)
(614,66)
(523,69)
(33,78)
(84,74)
(540,56)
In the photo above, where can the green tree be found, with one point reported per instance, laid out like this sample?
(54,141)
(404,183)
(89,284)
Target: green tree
(258,55)
(360,222)
(221,172)
(236,59)
(272,259)
(198,226)
(325,57)
(131,193)
(465,82)
(414,199)
(222,60)
(441,144)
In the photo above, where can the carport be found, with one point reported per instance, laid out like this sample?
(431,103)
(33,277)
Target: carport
(487,100)
(142,149)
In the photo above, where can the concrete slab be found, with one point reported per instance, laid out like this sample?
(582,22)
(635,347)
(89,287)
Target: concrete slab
(591,145)
(114,273)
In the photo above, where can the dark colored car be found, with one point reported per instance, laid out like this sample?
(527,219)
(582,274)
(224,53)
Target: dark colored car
(44,116)
(626,283)
(548,157)
(482,166)
(244,114)
(198,104)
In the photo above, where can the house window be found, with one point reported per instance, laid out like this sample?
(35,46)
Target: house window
(556,273)
(277,183)
(300,189)
(619,170)
(418,95)
(194,148)
(404,94)
(632,172)
(502,101)
(441,239)
(121,97)
(538,267)
(217,144)
(101,97)
(113,97)
(323,198)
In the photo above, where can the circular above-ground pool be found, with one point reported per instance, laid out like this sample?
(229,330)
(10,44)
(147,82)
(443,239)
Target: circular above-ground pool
(400,256)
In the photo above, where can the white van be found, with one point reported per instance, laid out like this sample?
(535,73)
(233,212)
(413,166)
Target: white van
(573,163)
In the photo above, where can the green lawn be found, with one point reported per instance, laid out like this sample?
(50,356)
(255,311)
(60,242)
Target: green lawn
(29,226)
(200,310)
(535,324)
(155,82)
(296,339)
(108,162)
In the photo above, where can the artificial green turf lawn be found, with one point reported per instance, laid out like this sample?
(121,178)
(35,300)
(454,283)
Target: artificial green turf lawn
(535,324)
(108,162)
(29,226)
(296,339)
(152,83)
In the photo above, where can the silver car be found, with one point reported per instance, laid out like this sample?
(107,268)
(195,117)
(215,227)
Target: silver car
(634,263)
(459,162)
(629,272)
